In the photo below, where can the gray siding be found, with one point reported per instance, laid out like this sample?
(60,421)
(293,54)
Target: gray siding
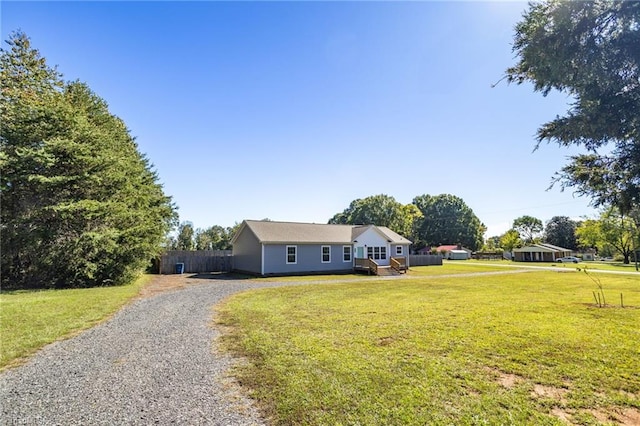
(405,250)
(309,259)
(247,253)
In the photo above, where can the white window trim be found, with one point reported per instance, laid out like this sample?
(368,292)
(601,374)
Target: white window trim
(350,254)
(322,254)
(286,255)
(399,250)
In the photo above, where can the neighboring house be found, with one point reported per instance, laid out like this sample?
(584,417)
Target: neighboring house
(454,252)
(541,252)
(281,248)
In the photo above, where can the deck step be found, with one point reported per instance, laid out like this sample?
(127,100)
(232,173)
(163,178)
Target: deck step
(386,271)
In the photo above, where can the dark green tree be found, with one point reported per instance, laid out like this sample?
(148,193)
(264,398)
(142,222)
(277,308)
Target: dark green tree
(561,231)
(589,50)
(80,205)
(446,219)
(380,210)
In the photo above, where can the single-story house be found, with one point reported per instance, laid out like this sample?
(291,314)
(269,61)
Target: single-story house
(281,248)
(541,252)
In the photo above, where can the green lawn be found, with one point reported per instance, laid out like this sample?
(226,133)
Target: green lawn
(527,348)
(32,319)
(453,267)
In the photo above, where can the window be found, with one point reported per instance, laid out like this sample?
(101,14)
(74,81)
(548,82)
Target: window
(292,254)
(398,249)
(377,253)
(326,254)
(346,253)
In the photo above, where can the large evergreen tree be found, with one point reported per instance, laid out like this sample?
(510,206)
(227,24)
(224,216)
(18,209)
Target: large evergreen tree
(80,205)
(589,50)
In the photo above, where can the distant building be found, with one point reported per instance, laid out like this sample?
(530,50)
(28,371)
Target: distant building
(541,252)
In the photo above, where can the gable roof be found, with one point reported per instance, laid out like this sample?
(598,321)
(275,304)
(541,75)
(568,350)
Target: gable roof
(392,236)
(452,247)
(270,232)
(447,247)
(541,247)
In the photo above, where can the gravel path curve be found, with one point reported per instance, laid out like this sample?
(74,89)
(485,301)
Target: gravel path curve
(152,363)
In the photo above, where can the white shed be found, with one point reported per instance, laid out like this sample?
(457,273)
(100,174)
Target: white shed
(458,255)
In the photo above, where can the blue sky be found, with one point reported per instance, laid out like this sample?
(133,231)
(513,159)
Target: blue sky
(291,110)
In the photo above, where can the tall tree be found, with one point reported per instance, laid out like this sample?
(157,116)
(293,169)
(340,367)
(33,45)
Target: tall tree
(446,219)
(619,231)
(589,235)
(492,243)
(561,231)
(589,50)
(381,210)
(80,205)
(213,238)
(610,233)
(528,227)
(510,240)
(185,238)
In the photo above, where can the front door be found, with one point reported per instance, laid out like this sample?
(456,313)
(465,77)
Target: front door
(359,252)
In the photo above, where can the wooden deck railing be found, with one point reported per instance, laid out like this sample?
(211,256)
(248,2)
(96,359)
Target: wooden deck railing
(399,264)
(364,264)
(361,263)
(373,267)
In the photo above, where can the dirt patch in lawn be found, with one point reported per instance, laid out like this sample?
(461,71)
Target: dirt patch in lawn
(552,392)
(617,416)
(163,283)
(506,380)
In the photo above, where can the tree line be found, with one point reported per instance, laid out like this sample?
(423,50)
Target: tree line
(431,221)
(428,220)
(609,235)
(80,205)
(215,237)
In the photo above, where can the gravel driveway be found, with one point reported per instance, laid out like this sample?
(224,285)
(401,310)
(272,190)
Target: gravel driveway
(152,363)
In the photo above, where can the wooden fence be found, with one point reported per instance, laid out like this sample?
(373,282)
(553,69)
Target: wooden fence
(196,261)
(493,255)
(425,260)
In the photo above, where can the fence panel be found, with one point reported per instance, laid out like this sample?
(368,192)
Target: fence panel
(425,260)
(196,261)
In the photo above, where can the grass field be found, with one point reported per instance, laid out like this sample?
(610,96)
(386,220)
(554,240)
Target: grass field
(525,348)
(589,265)
(32,319)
